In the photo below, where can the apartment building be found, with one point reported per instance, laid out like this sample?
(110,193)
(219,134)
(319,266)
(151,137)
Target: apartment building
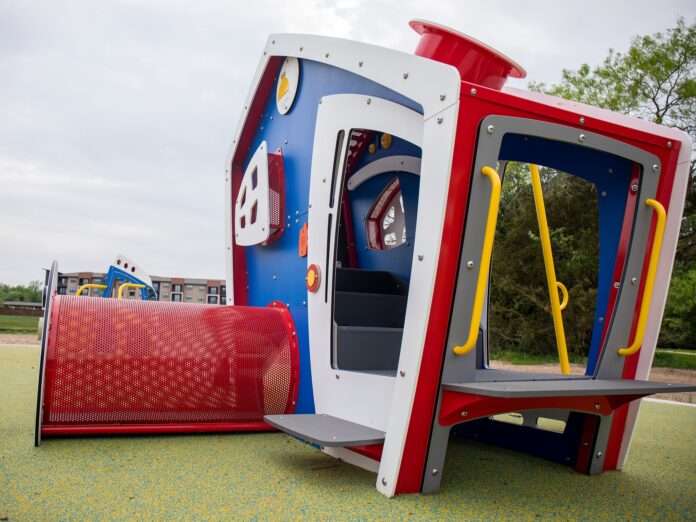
(178,289)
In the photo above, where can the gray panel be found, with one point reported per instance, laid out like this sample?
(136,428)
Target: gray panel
(507,375)
(567,388)
(326,430)
(361,348)
(50,291)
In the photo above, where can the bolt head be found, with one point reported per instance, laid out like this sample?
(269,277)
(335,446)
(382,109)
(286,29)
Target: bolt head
(439,119)
(597,406)
(338,376)
(604,193)
(470,264)
(490,129)
(599,454)
(464,413)
(405,75)
(669,144)
(442,97)
(420,257)
(369,101)
(582,138)
(360,64)
(384,481)
(582,120)
(617,284)
(634,188)
(473,92)
(655,168)
(434,472)
(634,280)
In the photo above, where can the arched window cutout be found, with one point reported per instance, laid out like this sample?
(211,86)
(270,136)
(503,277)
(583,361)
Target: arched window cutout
(386,219)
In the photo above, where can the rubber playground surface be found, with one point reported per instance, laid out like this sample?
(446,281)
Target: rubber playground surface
(272,476)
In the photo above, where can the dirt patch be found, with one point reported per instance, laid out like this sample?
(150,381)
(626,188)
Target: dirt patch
(28,339)
(675,375)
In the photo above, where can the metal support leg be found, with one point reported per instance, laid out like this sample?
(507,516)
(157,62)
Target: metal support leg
(436,458)
(599,450)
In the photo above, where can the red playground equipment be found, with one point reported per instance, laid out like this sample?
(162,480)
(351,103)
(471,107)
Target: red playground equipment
(362,190)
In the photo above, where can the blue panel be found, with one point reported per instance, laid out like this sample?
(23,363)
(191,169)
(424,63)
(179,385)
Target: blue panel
(276,272)
(611,175)
(395,260)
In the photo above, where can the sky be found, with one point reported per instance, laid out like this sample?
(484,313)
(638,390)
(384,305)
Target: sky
(116,117)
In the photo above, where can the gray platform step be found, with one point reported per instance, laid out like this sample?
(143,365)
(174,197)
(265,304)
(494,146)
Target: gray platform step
(566,388)
(326,430)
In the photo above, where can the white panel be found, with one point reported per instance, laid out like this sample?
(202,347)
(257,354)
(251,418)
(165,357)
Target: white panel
(287,85)
(123,263)
(399,163)
(253,228)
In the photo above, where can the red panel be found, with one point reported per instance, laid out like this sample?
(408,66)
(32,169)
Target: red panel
(159,366)
(373,451)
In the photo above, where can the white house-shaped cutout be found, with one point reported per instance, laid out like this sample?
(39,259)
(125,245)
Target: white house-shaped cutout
(251,209)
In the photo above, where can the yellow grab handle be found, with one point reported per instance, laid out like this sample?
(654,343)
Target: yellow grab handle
(564,291)
(128,285)
(485,262)
(650,278)
(553,285)
(90,285)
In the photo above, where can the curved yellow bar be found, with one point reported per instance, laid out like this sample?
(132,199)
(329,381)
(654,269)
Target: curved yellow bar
(650,278)
(486,253)
(564,291)
(90,285)
(556,306)
(128,285)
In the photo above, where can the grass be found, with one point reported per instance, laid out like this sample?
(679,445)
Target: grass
(18,324)
(270,476)
(663,358)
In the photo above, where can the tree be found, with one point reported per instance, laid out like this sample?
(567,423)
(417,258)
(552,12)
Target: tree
(654,80)
(30,293)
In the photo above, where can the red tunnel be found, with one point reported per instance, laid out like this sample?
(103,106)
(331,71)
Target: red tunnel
(122,366)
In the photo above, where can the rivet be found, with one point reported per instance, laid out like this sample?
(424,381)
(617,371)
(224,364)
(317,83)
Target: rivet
(326,55)
(285,142)
(323,180)
(597,406)
(611,171)
(601,319)
(338,376)
(420,257)
(442,97)
(599,454)
(470,264)
(301,49)
(246,107)
(439,119)
(275,277)
(273,42)
(304,303)
(264,53)
(582,120)
(490,129)
(604,193)
(634,187)
(288,216)
(655,168)
(464,413)
(297,221)
(473,92)
(434,472)
(287,305)
(402,373)
(360,65)
(669,144)
(634,280)
(405,75)
(369,101)
(271,117)
(582,138)
(297,212)
(617,284)
(384,481)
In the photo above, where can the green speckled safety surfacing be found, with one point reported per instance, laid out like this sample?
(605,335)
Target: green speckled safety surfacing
(272,476)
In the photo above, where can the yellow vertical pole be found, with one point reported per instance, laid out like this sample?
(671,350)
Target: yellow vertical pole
(550,270)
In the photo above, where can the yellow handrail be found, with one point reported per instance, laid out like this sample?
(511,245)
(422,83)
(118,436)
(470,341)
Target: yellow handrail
(90,285)
(650,278)
(485,262)
(128,285)
(556,305)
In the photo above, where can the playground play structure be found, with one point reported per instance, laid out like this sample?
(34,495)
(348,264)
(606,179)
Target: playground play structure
(363,188)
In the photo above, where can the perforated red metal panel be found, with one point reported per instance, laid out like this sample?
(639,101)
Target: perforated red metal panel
(166,366)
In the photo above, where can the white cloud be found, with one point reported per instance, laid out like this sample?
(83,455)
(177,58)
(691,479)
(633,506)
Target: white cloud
(116,116)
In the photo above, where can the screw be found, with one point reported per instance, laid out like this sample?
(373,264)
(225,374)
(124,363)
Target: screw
(669,144)
(442,97)
(599,454)
(582,138)
(434,472)
(634,280)
(597,406)
(301,49)
(420,257)
(611,171)
(470,264)
(273,42)
(402,373)
(601,319)
(604,193)
(634,187)
(405,75)
(617,284)
(464,413)
(304,303)
(490,129)
(323,180)
(439,119)
(338,376)
(275,277)
(369,101)
(326,55)
(360,65)
(582,120)
(655,168)
(384,480)
(473,92)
